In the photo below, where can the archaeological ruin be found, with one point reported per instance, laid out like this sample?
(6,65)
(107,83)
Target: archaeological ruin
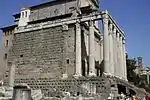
(58,47)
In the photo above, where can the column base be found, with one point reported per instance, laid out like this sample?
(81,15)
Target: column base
(77,76)
(116,76)
(91,74)
(125,79)
(108,74)
(9,88)
(64,76)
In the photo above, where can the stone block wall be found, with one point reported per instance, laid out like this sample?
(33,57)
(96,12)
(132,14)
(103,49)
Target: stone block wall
(52,10)
(6,44)
(44,53)
(55,87)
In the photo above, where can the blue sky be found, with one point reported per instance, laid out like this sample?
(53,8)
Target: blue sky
(133,16)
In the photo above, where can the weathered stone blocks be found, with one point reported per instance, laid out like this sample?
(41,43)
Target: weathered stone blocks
(47,52)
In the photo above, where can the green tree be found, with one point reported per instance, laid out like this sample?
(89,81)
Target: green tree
(137,80)
(131,75)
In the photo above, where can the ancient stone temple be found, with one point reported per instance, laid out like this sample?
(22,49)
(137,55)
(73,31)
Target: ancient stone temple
(58,46)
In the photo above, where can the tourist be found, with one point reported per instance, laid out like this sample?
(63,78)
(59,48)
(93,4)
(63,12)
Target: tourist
(122,96)
(109,98)
(147,97)
(128,97)
(133,97)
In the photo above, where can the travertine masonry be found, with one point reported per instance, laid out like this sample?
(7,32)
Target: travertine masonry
(44,52)
(52,10)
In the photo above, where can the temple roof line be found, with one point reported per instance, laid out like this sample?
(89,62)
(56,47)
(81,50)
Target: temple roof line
(8,27)
(114,22)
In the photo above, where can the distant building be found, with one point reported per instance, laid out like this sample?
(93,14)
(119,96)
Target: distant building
(7,39)
(142,70)
(140,63)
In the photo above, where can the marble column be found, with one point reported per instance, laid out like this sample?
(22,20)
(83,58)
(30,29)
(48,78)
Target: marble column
(78,49)
(101,54)
(91,50)
(111,53)
(124,60)
(86,67)
(106,42)
(118,54)
(101,51)
(121,58)
(114,50)
(12,74)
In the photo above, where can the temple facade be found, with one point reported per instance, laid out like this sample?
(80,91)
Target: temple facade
(62,39)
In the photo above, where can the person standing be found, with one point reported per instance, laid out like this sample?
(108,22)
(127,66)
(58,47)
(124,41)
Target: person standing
(122,96)
(133,97)
(128,97)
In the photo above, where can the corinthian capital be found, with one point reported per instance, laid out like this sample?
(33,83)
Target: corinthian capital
(124,41)
(105,15)
(110,27)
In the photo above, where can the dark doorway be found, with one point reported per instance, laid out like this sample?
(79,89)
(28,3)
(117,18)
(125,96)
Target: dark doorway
(122,89)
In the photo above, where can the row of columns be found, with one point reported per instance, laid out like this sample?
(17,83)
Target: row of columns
(91,50)
(114,49)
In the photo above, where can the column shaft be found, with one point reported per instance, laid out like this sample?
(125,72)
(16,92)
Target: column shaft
(101,55)
(124,60)
(101,51)
(121,58)
(114,51)
(86,67)
(91,50)
(78,49)
(111,53)
(118,55)
(12,74)
(106,43)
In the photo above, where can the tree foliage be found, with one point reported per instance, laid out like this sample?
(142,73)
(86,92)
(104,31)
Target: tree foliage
(130,70)
(137,80)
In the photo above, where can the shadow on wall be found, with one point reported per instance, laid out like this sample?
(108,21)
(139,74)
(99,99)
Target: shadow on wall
(102,67)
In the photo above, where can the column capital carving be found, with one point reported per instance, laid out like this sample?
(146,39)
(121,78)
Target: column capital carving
(77,25)
(121,38)
(114,30)
(78,21)
(105,17)
(124,41)
(118,34)
(110,27)
(91,23)
(105,14)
